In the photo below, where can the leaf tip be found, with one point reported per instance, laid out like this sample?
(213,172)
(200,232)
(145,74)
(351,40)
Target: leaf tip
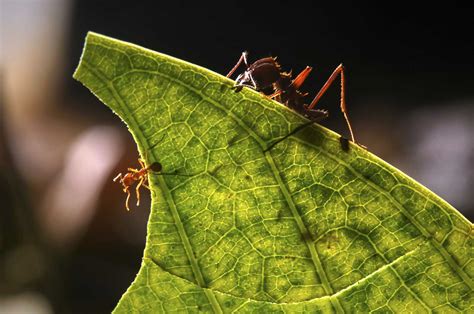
(90,36)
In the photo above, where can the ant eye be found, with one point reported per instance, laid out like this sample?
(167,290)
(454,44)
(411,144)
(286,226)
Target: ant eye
(156,166)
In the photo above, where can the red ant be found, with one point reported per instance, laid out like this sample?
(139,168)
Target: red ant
(265,75)
(141,176)
(137,175)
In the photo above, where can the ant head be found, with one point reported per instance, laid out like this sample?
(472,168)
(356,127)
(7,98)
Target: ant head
(156,166)
(244,78)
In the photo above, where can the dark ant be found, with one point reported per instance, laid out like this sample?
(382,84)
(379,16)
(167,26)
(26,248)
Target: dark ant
(265,75)
(141,176)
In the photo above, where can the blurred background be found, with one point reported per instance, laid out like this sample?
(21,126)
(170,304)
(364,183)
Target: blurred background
(67,244)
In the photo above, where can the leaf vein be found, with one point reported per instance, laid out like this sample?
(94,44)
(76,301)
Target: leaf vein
(403,210)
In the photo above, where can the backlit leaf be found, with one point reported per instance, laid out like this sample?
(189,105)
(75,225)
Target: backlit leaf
(305,226)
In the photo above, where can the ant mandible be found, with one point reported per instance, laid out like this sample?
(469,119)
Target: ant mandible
(265,75)
(137,175)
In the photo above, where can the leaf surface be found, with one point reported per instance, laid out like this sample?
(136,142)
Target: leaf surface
(304,226)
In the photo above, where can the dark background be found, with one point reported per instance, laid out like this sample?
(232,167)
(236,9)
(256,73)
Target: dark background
(410,92)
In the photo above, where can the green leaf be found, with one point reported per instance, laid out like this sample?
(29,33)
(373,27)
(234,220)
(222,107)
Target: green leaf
(305,226)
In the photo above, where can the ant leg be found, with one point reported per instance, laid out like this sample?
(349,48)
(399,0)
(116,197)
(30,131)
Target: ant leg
(275,94)
(145,184)
(142,163)
(126,201)
(253,82)
(243,58)
(137,189)
(132,170)
(148,187)
(338,71)
(119,176)
(299,80)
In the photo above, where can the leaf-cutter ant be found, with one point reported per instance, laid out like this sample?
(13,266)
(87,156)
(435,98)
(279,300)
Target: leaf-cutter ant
(141,176)
(265,75)
(137,175)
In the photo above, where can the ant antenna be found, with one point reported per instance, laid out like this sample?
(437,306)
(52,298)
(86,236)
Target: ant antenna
(243,58)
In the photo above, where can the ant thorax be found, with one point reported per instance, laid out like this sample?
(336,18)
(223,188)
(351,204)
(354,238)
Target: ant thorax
(128,179)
